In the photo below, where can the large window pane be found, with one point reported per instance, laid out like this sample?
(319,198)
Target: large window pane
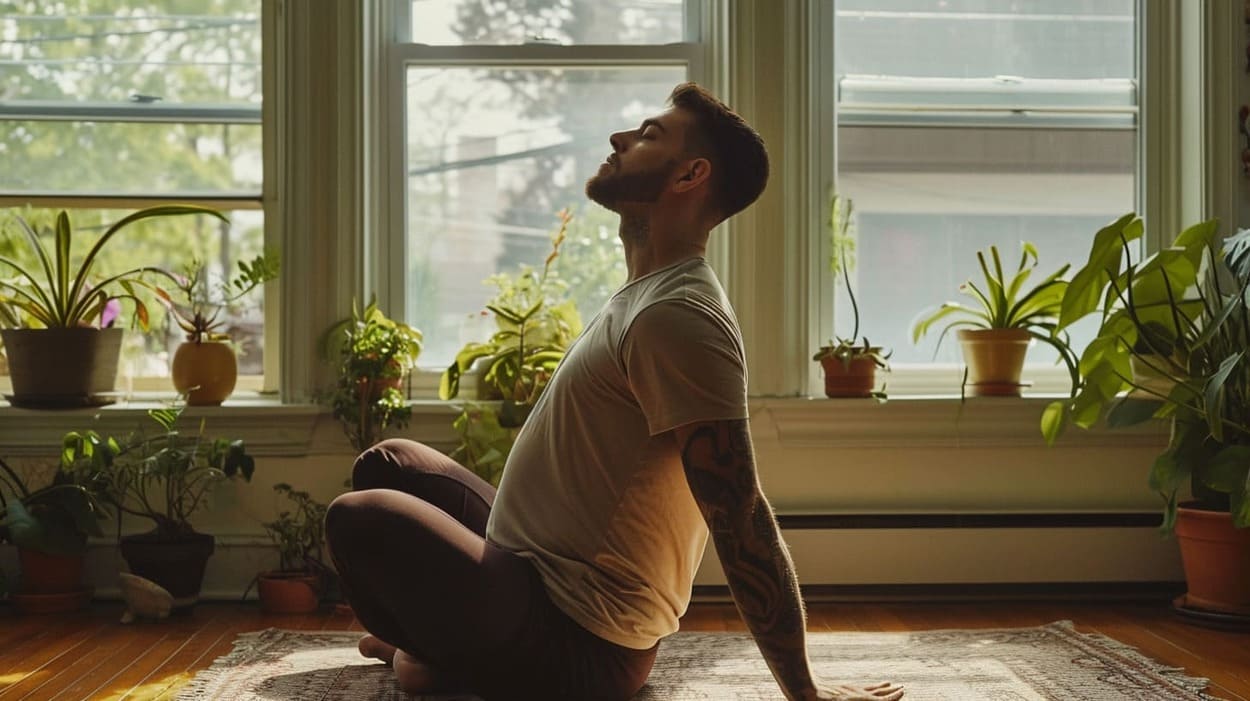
(83,158)
(456,22)
(493,154)
(119,51)
(933,182)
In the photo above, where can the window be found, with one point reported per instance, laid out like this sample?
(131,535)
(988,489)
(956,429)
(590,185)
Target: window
(111,105)
(505,116)
(965,123)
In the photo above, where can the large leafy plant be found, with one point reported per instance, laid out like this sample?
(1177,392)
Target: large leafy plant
(536,323)
(299,532)
(841,262)
(58,291)
(373,354)
(163,475)
(1181,314)
(1003,302)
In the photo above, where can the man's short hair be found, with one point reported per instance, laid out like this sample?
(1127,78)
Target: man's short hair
(735,150)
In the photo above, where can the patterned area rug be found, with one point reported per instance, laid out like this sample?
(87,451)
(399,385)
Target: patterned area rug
(1016,664)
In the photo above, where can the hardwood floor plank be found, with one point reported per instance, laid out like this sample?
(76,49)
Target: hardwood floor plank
(22,669)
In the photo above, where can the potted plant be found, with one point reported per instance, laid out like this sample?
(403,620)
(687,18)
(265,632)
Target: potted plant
(996,332)
(1183,315)
(163,476)
(61,345)
(204,368)
(49,526)
(850,366)
(299,533)
(535,324)
(374,355)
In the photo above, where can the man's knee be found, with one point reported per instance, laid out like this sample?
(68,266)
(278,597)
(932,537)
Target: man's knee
(348,522)
(374,465)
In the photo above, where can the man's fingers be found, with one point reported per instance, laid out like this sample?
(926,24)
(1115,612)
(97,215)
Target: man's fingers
(888,691)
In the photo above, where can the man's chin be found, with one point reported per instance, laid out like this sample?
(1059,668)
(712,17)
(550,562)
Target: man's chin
(595,192)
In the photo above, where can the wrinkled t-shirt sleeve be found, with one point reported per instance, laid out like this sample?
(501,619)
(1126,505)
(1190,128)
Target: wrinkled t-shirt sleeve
(684,364)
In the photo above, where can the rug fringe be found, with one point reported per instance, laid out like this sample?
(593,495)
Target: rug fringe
(1174,675)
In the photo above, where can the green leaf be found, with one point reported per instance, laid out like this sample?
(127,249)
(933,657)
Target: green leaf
(1131,411)
(1228,470)
(1054,420)
(1086,288)
(1166,474)
(1214,394)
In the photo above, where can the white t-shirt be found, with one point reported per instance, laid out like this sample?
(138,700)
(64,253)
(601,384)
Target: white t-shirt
(594,491)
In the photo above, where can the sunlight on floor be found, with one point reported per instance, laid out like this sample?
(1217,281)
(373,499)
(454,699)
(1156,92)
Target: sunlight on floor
(164,688)
(7,680)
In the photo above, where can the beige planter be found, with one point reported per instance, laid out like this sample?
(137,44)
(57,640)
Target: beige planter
(62,367)
(205,372)
(995,359)
(1151,381)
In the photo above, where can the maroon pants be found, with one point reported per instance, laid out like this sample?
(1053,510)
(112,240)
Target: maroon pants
(409,544)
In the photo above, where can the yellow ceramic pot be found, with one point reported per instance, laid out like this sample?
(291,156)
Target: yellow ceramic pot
(205,372)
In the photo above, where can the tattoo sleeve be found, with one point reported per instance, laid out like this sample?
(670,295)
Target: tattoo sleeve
(720,468)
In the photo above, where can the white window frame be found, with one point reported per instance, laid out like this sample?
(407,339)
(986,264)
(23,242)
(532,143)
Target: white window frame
(153,113)
(387,252)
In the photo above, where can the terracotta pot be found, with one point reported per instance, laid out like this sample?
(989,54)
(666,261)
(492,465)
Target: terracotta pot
(856,378)
(51,603)
(177,565)
(1216,558)
(995,359)
(209,367)
(289,592)
(44,573)
(62,368)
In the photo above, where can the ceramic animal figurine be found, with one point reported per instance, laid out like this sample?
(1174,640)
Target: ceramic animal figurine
(144,598)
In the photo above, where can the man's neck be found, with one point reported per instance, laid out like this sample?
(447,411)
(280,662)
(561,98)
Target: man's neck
(650,246)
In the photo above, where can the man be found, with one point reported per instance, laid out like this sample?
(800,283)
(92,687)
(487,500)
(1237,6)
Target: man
(561,585)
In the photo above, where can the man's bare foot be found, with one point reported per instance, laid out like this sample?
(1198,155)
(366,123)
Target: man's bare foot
(416,676)
(375,647)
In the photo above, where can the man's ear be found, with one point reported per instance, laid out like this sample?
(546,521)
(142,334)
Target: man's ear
(695,173)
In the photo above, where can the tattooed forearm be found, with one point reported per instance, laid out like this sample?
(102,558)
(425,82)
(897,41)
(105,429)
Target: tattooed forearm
(720,467)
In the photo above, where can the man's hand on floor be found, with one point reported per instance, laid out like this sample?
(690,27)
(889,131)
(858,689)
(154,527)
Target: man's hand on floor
(885,691)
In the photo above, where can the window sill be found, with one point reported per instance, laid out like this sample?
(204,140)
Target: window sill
(917,421)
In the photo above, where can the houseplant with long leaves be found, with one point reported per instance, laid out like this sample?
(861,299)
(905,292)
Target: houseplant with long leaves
(1006,317)
(58,355)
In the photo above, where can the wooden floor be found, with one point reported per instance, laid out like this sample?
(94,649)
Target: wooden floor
(92,656)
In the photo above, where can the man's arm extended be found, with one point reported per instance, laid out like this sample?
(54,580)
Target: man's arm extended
(720,467)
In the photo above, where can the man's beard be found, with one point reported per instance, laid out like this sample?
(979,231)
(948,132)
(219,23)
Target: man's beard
(613,189)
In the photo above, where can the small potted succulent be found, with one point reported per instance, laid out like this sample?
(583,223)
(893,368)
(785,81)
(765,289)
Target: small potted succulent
(996,332)
(164,476)
(850,364)
(204,368)
(61,342)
